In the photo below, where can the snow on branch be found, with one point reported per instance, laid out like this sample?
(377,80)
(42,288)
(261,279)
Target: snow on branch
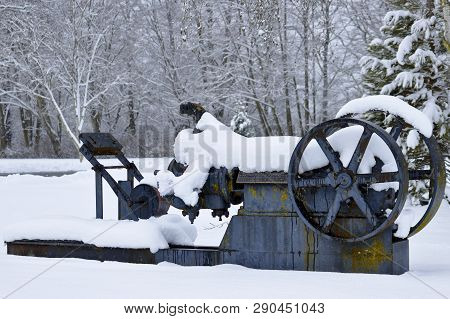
(405,48)
(419,58)
(4,7)
(423,27)
(393,17)
(405,79)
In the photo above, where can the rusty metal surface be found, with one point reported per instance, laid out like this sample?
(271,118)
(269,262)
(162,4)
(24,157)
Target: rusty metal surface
(72,249)
(101,143)
(262,178)
(141,202)
(217,194)
(437,178)
(345,187)
(285,242)
(267,198)
(147,202)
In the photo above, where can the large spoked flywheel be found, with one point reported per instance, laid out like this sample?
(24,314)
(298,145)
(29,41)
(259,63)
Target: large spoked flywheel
(344,187)
(428,169)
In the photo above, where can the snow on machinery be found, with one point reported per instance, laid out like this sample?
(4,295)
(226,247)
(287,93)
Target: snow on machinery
(331,201)
(330,173)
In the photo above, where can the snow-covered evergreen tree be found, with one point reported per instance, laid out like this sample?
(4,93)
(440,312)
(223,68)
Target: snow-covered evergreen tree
(242,124)
(409,62)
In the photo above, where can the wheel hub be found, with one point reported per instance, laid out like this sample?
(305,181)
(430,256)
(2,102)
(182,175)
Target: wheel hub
(344,180)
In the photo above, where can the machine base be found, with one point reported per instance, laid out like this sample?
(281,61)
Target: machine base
(261,242)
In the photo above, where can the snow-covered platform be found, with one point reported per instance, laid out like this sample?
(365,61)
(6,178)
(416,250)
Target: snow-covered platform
(292,247)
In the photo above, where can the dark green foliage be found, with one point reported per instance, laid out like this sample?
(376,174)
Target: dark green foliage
(410,63)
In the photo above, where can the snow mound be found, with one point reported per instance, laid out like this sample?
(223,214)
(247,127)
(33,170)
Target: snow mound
(153,233)
(394,106)
(216,145)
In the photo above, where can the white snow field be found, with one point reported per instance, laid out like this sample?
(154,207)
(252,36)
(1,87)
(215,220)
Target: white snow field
(24,197)
(43,165)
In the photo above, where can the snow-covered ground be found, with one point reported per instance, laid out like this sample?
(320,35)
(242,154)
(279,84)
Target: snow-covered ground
(42,165)
(27,196)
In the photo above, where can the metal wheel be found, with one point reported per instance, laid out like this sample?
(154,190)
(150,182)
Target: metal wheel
(433,175)
(147,202)
(350,215)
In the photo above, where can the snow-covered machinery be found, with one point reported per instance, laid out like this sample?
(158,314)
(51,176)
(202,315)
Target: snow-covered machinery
(335,209)
(330,201)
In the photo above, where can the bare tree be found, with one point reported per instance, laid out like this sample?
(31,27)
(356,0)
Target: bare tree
(77,65)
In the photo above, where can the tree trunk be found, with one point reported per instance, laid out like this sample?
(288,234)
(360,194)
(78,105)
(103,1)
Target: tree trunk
(26,121)
(283,47)
(5,128)
(446,8)
(96,120)
(299,108)
(261,112)
(429,8)
(41,106)
(37,136)
(306,64)
(131,113)
(326,45)
(313,69)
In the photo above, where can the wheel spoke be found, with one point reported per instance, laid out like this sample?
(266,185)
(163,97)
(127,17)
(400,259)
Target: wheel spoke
(363,205)
(360,150)
(373,178)
(419,174)
(396,130)
(332,212)
(329,152)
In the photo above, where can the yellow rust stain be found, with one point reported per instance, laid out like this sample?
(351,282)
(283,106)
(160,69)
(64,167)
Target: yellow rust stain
(368,258)
(284,200)
(253,192)
(309,250)
(284,196)
(215,187)
(230,186)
